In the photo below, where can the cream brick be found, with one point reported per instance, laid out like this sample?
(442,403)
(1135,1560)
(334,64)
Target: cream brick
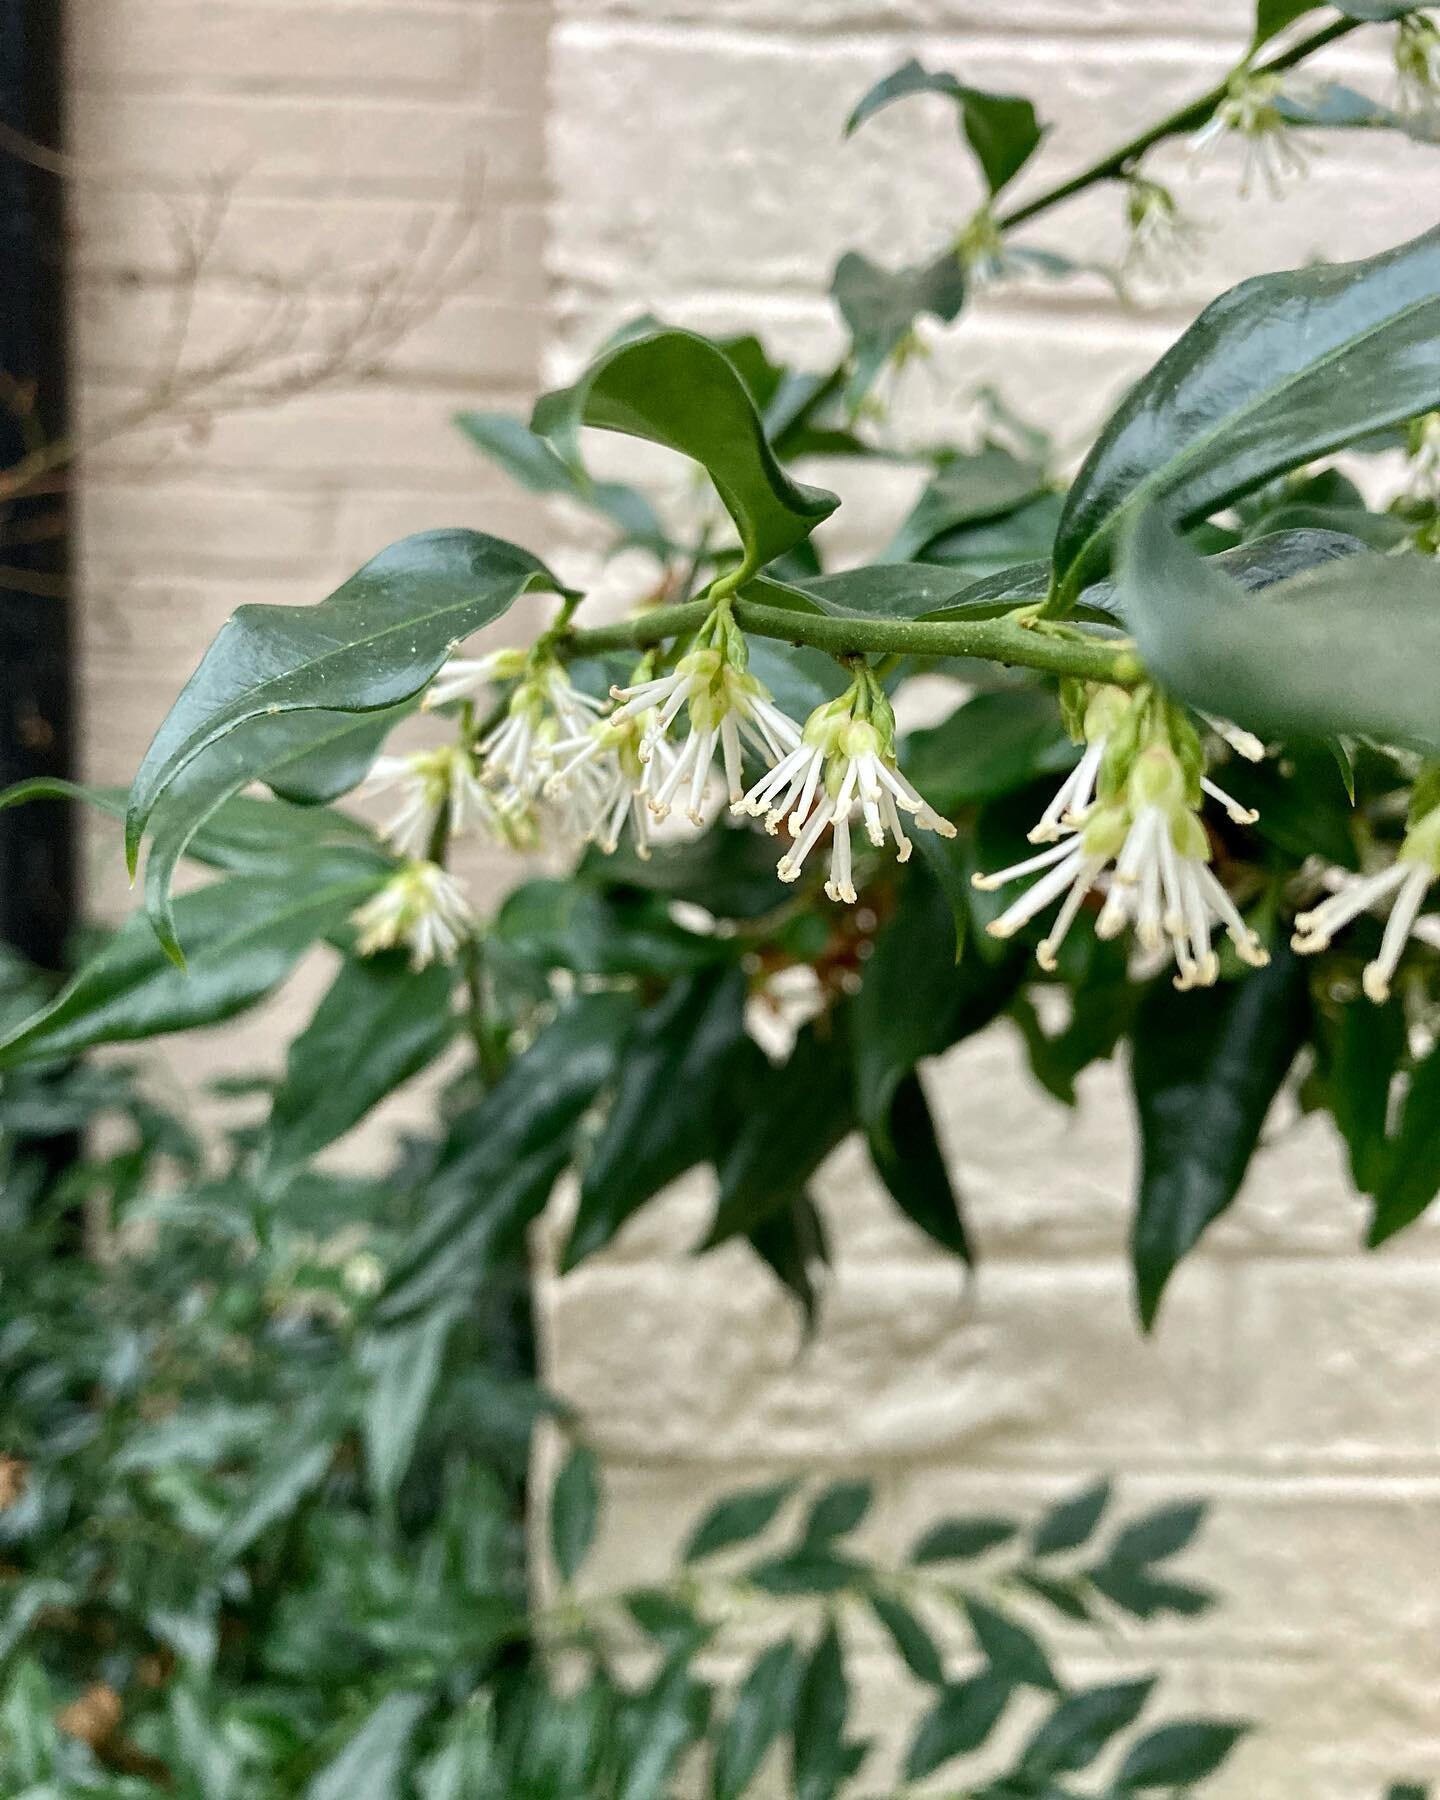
(1361,1387)
(230,44)
(825,18)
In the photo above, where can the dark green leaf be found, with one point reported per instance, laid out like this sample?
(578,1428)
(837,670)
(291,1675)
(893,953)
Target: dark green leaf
(574,1511)
(910,1161)
(809,1099)
(763,1708)
(964,491)
(958,1540)
(674,1713)
(564,925)
(1205,1069)
(662,1119)
(1178,1755)
(245,936)
(373,643)
(906,1003)
(1001,129)
(1158,1535)
(1341,650)
(1012,1649)
(372,1766)
(729,870)
(737,1519)
(1410,1172)
(959,1723)
(819,1761)
(992,744)
(293,1467)
(1071,1523)
(812,1569)
(1281,369)
(1146,1596)
(1080,1727)
(677,389)
(1407,1790)
(1360,1047)
(839,1509)
(1272,16)
(404,1367)
(880,307)
(536,466)
(379,1024)
(911,1639)
(671,1621)
(504,1156)
(1067,1594)
(791,1241)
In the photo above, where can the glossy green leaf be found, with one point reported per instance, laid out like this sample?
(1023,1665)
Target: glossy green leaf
(245,935)
(203,813)
(993,744)
(1279,370)
(959,1722)
(1272,16)
(1205,1069)
(880,307)
(905,1006)
(1081,1726)
(1013,1651)
(567,925)
(808,1099)
(1001,129)
(374,643)
(662,1121)
(1177,1755)
(1410,1171)
(818,1755)
(1344,649)
(503,1156)
(1360,1048)
(838,1510)
(960,1540)
(910,1160)
(913,1642)
(811,1569)
(373,1765)
(574,1511)
(737,1519)
(680,390)
(535,464)
(1072,1522)
(380,1023)
(965,490)
(791,1241)
(403,1367)
(764,1706)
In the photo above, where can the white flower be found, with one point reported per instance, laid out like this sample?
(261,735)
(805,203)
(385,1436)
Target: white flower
(1162,238)
(724,705)
(844,764)
(431,784)
(600,781)
(422,907)
(1417,67)
(1424,449)
(463,678)
(1406,882)
(1252,110)
(1146,829)
(518,755)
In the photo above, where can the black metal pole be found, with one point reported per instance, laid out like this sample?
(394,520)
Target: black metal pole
(37,850)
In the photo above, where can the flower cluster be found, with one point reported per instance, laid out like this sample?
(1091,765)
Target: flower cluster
(1127,818)
(558,755)
(1253,109)
(1405,883)
(843,765)
(1161,238)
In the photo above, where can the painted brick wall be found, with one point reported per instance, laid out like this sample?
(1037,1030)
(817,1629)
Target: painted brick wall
(345,137)
(698,172)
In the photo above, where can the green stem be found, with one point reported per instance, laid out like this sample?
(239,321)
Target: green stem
(1190,117)
(1004,640)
